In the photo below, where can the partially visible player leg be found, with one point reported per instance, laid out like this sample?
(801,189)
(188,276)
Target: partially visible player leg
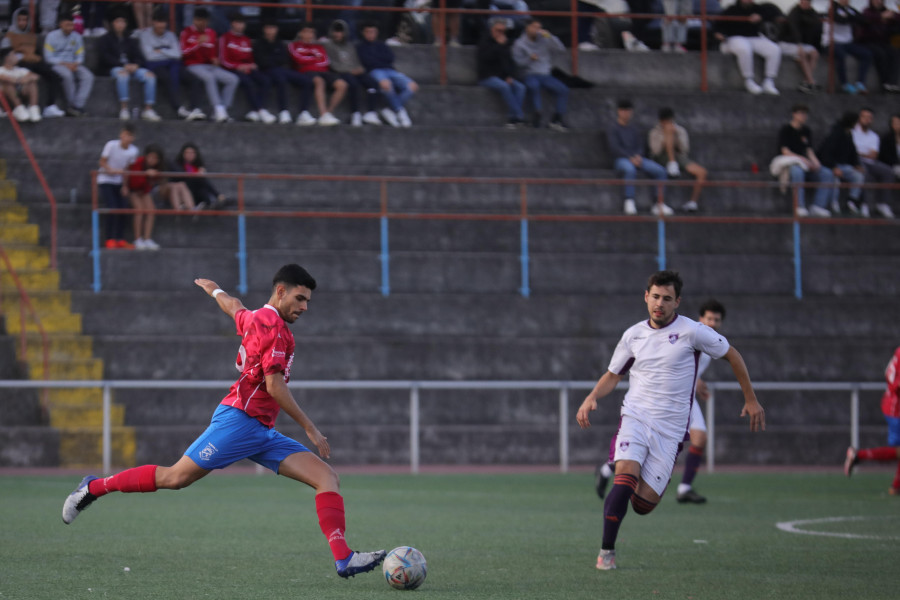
(604,472)
(694,457)
(308,468)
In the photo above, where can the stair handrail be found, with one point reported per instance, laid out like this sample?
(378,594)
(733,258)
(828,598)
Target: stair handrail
(25,302)
(4,103)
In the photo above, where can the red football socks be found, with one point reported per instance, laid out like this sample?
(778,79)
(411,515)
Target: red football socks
(330,508)
(138,479)
(885,453)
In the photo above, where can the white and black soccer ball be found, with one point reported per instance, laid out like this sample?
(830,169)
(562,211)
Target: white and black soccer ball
(404,568)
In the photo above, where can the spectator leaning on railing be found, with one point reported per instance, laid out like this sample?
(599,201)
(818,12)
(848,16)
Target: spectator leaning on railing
(743,39)
(112,188)
(24,41)
(121,57)
(64,49)
(532,53)
(868,145)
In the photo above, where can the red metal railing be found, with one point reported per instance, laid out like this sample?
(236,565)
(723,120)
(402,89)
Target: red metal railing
(25,302)
(40,176)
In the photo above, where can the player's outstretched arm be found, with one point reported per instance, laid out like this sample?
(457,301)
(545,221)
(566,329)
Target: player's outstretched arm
(278,389)
(752,407)
(605,385)
(229,304)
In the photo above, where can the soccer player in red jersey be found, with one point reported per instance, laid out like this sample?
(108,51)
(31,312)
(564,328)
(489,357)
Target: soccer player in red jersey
(890,406)
(242,425)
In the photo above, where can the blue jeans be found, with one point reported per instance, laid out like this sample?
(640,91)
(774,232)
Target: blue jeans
(400,93)
(281,76)
(256,86)
(170,70)
(513,93)
(628,171)
(822,194)
(534,83)
(849,175)
(142,75)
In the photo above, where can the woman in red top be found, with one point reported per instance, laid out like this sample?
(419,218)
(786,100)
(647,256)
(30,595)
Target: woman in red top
(141,186)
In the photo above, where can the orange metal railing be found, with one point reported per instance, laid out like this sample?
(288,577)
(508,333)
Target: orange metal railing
(25,303)
(40,176)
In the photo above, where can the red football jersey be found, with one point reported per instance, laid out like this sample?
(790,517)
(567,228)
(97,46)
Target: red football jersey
(267,347)
(198,48)
(890,402)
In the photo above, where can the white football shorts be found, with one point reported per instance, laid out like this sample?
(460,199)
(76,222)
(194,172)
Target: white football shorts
(655,453)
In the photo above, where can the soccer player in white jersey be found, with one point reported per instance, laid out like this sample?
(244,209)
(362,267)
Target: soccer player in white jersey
(661,355)
(712,313)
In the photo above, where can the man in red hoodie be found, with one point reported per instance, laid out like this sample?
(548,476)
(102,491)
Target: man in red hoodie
(200,55)
(310,57)
(236,55)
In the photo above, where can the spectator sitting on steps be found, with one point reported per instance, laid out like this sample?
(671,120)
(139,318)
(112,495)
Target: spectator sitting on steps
(531,52)
(64,50)
(203,193)
(345,62)
(22,40)
(201,57)
(496,71)
(868,145)
(311,59)
(19,85)
(162,55)
(669,144)
(744,39)
(120,56)
(797,162)
(838,153)
(889,148)
(397,88)
(236,55)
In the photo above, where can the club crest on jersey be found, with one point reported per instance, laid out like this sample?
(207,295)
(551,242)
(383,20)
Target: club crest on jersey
(673,337)
(208,452)
(623,445)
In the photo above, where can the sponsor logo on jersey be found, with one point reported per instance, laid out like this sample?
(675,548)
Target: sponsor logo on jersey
(208,452)
(673,337)
(277,354)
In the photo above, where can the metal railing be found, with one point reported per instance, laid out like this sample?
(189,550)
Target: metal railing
(566,416)
(384,214)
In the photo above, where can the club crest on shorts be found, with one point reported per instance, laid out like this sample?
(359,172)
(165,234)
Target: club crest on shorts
(673,337)
(207,452)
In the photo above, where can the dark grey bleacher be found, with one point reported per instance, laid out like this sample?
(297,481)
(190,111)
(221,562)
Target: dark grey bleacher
(455,312)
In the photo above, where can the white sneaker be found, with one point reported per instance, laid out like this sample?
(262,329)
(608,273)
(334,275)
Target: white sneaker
(221,114)
(98,32)
(252,116)
(403,117)
(588,47)
(267,117)
(148,114)
(139,244)
(885,210)
(183,112)
(864,211)
(390,117)
(768,87)
(305,119)
(124,114)
(328,120)
(818,211)
(836,207)
(667,48)
(658,210)
(150,245)
(196,115)
(802,212)
(34,112)
(393,41)
(21,113)
(78,500)
(284,117)
(852,207)
(371,118)
(753,87)
(53,111)
(672,169)
(629,208)
(690,207)
(356,120)
(606,560)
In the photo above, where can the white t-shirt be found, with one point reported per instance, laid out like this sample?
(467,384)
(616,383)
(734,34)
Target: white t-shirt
(705,361)
(663,365)
(16,73)
(117,159)
(865,142)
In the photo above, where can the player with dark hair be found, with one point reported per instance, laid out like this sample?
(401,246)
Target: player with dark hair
(890,406)
(661,354)
(712,313)
(242,425)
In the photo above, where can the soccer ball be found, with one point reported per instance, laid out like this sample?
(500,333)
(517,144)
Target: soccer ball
(404,568)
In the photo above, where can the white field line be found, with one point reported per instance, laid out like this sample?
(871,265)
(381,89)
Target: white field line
(794,527)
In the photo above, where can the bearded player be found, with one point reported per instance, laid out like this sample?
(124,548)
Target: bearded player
(661,355)
(243,424)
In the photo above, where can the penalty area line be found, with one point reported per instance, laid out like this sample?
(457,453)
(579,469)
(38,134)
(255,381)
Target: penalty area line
(795,527)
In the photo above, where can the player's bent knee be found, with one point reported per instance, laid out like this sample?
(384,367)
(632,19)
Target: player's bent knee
(642,506)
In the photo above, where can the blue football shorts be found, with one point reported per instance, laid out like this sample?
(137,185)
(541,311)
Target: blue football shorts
(233,435)
(893,430)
